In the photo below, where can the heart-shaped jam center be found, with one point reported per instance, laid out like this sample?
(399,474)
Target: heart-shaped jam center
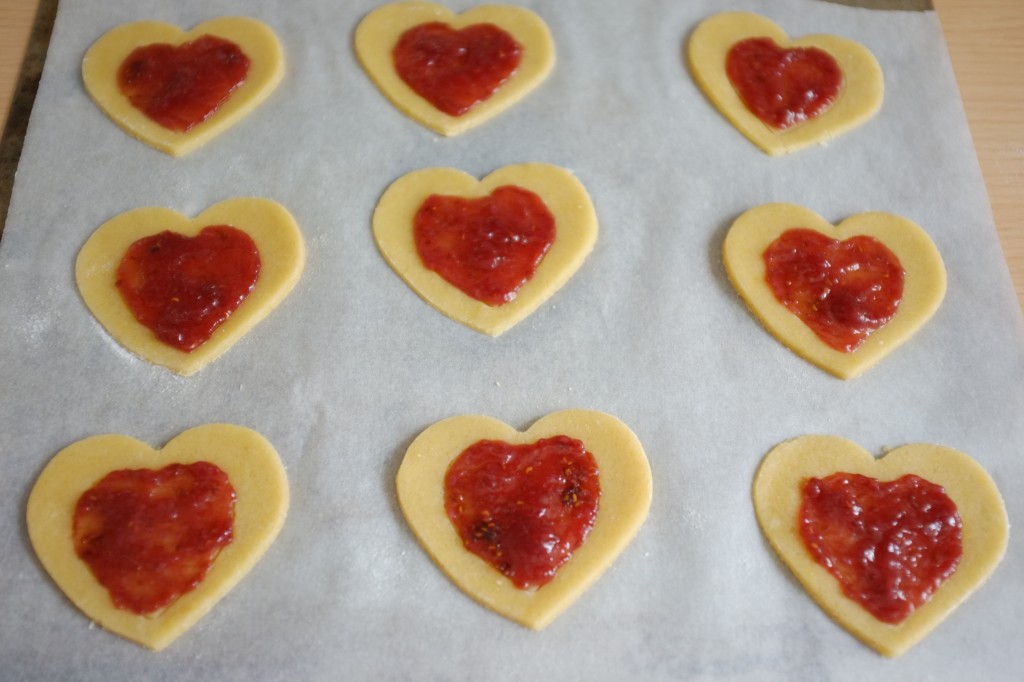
(180,87)
(783,87)
(890,545)
(487,247)
(150,536)
(523,508)
(183,288)
(455,70)
(842,290)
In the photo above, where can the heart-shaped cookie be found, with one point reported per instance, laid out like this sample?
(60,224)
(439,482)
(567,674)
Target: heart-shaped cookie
(175,71)
(560,193)
(923,285)
(859,96)
(254,471)
(272,230)
(625,495)
(463,60)
(778,498)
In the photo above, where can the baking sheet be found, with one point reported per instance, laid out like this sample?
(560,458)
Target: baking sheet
(353,365)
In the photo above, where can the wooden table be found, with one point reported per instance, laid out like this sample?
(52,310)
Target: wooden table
(988,58)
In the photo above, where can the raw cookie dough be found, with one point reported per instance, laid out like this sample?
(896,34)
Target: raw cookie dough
(565,197)
(777,499)
(923,291)
(103,60)
(255,472)
(859,99)
(625,478)
(379,31)
(271,227)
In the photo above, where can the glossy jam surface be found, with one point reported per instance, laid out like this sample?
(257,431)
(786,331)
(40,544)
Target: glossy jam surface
(183,288)
(524,509)
(456,69)
(180,87)
(889,544)
(488,247)
(150,536)
(842,290)
(783,86)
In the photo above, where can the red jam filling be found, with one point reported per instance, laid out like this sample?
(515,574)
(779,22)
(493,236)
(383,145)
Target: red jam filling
(180,87)
(150,536)
(487,247)
(455,70)
(524,509)
(843,290)
(890,545)
(183,288)
(783,87)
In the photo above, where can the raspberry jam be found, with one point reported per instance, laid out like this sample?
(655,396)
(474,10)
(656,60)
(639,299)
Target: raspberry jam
(889,544)
(150,536)
(524,509)
(456,70)
(488,247)
(843,290)
(183,288)
(180,87)
(783,87)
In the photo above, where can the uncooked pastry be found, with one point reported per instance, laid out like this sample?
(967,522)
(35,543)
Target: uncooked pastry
(777,498)
(379,31)
(561,192)
(254,470)
(271,227)
(103,61)
(859,100)
(625,478)
(923,291)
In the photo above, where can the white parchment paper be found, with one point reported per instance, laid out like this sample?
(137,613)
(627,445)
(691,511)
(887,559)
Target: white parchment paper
(353,365)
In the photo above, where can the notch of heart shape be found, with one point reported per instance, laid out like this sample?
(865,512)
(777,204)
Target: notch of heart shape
(923,289)
(985,530)
(253,469)
(860,96)
(103,62)
(272,229)
(559,190)
(625,482)
(379,32)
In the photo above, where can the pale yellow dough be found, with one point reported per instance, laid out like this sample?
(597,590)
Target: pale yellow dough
(923,290)
(272,228)
(625,478)
(776,492)
(380,30)
(561,192)
(859,100)
(255,472)
(103,60)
